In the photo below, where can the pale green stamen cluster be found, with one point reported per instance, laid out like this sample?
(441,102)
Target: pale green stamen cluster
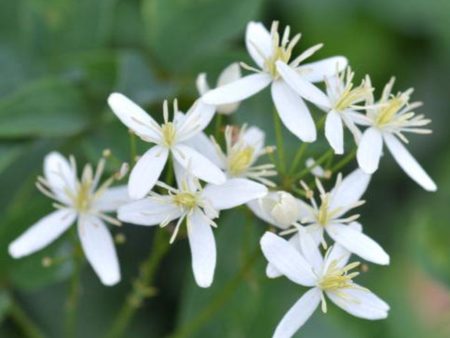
(388,110)
(350,95)
(336,278)
(168,130)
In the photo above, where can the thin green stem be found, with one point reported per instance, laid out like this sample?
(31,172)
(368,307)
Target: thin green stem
(279,140)
(73,297)
(25,323)
(218,300)
(133,148)
(142,286)
(218,126)
(338,166)
(321,160)
(298,157)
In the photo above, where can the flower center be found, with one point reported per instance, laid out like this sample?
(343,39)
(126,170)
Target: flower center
(240,160)
(387,112)
(168,134)
(350,96)
(185,200)
(324,215)
(337,278)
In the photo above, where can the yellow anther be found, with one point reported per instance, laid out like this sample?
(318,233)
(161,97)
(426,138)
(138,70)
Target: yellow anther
(168,133)
(239,160)
(336,278)
(186,200)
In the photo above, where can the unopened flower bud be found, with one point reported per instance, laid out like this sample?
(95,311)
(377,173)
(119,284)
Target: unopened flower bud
(283,207)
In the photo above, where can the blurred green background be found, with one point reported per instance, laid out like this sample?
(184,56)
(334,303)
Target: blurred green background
(59,60)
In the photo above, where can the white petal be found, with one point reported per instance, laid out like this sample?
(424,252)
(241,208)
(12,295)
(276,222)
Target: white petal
(293,112)
(98,246)
(42,233)
(203,248)
(202,84)
(298,314)
(369,150)
(358,243)
(112,199)
(334,132)
(149,211)
(254,137)
(349,191)
(286,259)
(317,71)
(408,163)
(302,87)
(134,117)
(359,302)
(205,146)
(257,207)
(196,119)
(229,74)
(237,90)
(233,192)
(60,175)
(146,172)
(271,271)
(310,250)
(338,253)
(258,41)
(198,164)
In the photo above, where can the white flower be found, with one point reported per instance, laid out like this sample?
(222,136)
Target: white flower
(228,75)
(170,137)
(84,201)
(290,81)
(330,276)
(343,98)
(199,207)
(244,147)
(328,216)
(316,169)
(387,120)
(278,208)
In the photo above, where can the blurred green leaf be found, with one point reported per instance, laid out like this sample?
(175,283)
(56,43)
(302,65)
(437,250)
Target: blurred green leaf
(45,108)
(5,302)
(8,153)
(180,31)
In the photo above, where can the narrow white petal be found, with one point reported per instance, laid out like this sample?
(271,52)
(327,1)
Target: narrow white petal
(317,71)
(237,90)
(369,150)
(271,271)
(338,253)
(229,74)
(60,175)
(112,199)
(286,259)
(358,243)
(258,41)
(205,146)
(254,137)
(133,116)
(146,172)
(298,314)
(293,112)
(198,164)
(202,84)
(334,132)
(203,248)
(149,211)
(98,246)
(42,233)
(196,119)
(359,302)
(349,191)
(408,163)
(234,192)
(256,206)
(302,87)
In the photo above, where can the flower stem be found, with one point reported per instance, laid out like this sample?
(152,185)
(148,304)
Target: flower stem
(350,156)
(141,288)
(73,296)
(298,157)
(21,319)
(321,160)
(218,126)
(133,148)
(279,140)
(218,301)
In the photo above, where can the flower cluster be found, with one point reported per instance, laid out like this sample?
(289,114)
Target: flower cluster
(211,176)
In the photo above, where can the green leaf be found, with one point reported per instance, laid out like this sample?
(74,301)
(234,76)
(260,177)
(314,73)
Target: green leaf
(181,31)
(45,108)
(5,302)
